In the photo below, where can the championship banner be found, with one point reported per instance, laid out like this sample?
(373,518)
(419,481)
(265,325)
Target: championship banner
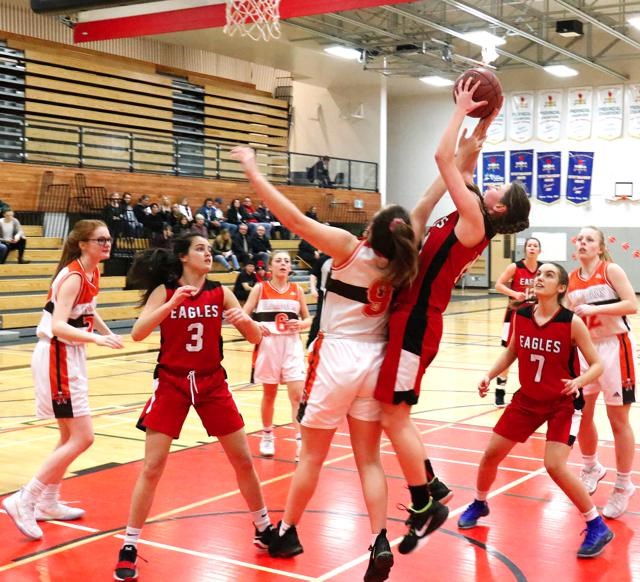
(633,110)
(493,169)
(521,118)
(497,132)
(549,115)
(579,177)
(549,171)
(609,111)
(579,113)
(521,168)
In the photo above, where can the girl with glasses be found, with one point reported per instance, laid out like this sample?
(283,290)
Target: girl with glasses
(59,367)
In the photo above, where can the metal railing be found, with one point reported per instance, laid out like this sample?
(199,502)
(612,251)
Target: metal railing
(57,143)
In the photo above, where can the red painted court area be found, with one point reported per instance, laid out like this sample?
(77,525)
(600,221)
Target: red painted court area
(200,531)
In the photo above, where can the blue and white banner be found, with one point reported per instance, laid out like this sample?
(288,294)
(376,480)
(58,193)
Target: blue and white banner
(521,168)
(579,177)
(549,172)
(493,169)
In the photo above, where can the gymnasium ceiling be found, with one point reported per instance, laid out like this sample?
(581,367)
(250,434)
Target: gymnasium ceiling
(407,40)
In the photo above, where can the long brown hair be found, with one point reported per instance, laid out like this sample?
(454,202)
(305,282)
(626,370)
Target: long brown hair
(516,218)
(391,235)
(82,231)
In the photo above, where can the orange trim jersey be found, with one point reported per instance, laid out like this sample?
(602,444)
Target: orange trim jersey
(275,307)
(358,296)
(84,305)
(597,290)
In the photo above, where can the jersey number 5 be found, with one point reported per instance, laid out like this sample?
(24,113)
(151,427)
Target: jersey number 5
(540,361)
(195,344)
(379,296)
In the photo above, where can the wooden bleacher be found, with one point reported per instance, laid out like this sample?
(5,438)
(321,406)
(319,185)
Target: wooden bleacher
(23,288)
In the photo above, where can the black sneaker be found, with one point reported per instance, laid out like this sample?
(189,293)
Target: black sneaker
(126,570)
(381,559)
(422,523)
(285,546)
(439,491)
(500,394)
(262,539)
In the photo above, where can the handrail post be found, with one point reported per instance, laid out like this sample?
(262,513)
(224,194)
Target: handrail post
(131,150)
(349,174)
(80,147)
(218,149)
(288,168)
(176,157)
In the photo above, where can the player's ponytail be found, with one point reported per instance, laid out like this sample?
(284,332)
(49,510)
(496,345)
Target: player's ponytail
(154,267)
(391,235)
(516,217)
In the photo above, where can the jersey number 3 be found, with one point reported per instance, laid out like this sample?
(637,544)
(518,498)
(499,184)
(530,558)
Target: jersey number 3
(379,296)
(195,343)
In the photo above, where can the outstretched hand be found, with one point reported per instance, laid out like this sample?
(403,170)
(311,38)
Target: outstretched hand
(464,96)
(246,156)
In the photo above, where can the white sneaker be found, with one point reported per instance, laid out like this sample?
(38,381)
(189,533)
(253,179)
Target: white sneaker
(23,515)
(267,446)
(298,448)
(59,511)
(618,502)
(592,477)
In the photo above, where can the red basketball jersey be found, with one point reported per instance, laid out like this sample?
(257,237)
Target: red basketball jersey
(546,354)
(443,260)
(190,336)
(522,281)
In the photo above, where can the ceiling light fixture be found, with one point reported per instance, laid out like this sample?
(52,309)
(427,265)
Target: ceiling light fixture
(436,81)
(569,28)
(483,38)
(561,71)
(634,20)
(343,52)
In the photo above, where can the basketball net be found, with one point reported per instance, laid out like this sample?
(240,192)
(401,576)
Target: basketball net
(257,19)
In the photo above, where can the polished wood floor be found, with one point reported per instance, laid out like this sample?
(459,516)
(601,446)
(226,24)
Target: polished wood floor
(200,529)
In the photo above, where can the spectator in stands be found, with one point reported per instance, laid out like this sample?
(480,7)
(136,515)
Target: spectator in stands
(245,281)
(176,214)
(260,245)
(312,212)
(113,214)
(221,217)
(182,227)
(308,253)
(155,220)
(240,244)
(141,209)
(165,207)
(163,240)
(251,217)
(234,213)
(208,211)
(261,272)
(3,207)
(185,208)
(223,253)
(12,236)
(132,227)
(199,226)
(265,216)
(319,173)
(3,252)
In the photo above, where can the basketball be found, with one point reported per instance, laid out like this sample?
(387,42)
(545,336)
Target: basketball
(488,90)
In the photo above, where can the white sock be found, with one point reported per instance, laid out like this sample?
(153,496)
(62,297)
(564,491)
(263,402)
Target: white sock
(51,494)
(591,514)
(481,495)
(267,431)
(284,526)
(131,536)
(261,519)
(623,481)
(590,461)
(33,490)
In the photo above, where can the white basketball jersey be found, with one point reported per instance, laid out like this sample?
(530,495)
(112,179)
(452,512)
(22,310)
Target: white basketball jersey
(596,290)
(358,296)
(84,306)
(276,307)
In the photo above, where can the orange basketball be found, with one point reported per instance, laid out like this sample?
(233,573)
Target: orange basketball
(489,90)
